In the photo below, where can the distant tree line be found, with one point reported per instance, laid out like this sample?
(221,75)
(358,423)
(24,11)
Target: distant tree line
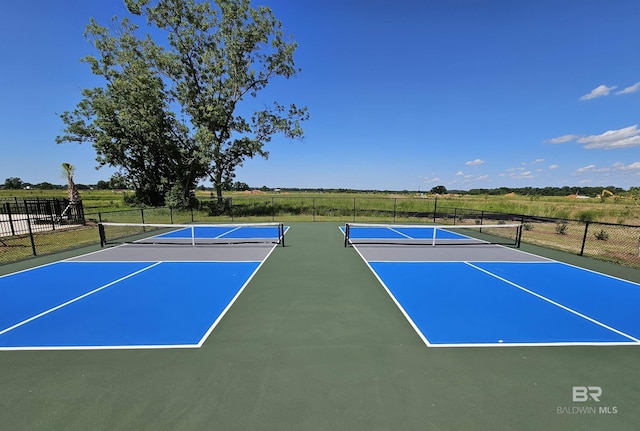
(119,182)
(545,191)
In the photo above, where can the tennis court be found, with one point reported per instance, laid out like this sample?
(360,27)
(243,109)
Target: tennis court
(486,294)
(150,292)
(178,331)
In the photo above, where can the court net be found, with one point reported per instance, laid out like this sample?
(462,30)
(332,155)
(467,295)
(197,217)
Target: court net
(191,234)
(432,235)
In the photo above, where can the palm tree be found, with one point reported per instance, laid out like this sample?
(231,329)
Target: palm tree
(67,172)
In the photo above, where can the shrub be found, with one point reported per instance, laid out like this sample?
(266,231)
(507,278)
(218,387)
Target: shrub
(602,235)
(585,216)
(561,228)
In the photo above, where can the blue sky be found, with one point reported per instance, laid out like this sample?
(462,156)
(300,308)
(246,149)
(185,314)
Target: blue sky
(403,95)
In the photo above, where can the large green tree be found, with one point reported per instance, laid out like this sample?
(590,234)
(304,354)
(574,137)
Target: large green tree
(129,120)
(215,56)
(218,56)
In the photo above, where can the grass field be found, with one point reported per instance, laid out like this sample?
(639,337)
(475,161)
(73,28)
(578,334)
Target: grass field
(611,210)
(610,243)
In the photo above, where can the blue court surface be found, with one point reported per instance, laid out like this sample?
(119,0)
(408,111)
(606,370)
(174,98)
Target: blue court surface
(126,297)
(519,299)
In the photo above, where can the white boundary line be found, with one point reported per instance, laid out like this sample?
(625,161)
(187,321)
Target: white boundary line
(141,346)
(543,344)
(233,300)
(557,304)
(393,298)
(71,301)
(129,347)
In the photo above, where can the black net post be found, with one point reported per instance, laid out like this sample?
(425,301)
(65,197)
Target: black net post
(346,235)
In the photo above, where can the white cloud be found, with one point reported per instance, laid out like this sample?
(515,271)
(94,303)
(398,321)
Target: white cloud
(561,139)
(586,168)
(599,91)
(631,166)
(630,89)
(460,173)
(538,161)
(475,162)
(554,166)
(522,175)
(482,177)
(591,168)
(622,138)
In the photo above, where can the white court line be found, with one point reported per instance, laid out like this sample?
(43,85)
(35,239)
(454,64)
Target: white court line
(71,301)
(557,304)
(227,232)
(400,233)
(233,300)
(393,298)
(545,261)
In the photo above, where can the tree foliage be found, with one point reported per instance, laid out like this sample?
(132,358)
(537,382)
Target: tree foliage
(14,183)
(168,114)
(439,190)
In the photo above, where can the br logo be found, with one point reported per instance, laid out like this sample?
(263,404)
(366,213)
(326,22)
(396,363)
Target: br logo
(582,394)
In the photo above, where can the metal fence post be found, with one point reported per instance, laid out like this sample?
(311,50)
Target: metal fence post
(13,229)
(584,238)
(395,203)
(354,210)
(33,243)
(435,209)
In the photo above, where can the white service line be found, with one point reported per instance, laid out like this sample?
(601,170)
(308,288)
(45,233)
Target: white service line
(71,301)
(557,304)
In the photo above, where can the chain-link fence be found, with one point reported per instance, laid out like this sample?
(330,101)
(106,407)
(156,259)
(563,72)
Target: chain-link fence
(40,226)
(611,242)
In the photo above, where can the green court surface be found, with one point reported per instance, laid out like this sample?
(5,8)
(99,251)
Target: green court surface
(315,343)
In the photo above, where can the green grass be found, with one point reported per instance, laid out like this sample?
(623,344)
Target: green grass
(107,205)
(612,210)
